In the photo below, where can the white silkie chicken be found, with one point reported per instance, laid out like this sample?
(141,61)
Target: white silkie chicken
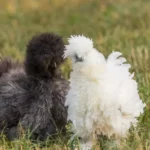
(103,96)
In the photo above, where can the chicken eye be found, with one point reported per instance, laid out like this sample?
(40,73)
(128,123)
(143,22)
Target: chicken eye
(78,59)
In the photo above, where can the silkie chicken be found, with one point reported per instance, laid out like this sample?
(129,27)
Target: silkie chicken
(33,95)
(103,98)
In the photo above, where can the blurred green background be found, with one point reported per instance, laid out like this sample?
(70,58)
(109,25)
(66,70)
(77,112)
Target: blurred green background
(112,24)
(122,25)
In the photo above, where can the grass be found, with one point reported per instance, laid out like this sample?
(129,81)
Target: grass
(121,25)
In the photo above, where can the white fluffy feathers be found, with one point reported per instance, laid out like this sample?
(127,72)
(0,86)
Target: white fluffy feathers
(78,44)
(103,96)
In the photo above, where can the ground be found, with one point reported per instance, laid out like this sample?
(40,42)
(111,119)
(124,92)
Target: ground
(122,25)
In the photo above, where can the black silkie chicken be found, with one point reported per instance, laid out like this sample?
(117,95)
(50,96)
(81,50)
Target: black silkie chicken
(33,96)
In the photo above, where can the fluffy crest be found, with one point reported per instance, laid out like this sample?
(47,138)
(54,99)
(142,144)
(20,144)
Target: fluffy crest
(43,55)
(78,44)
